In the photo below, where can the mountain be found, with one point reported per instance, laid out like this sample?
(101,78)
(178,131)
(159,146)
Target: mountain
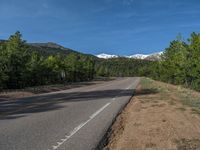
(48,44)
(47,48)
(152,57)
(50,48)
(138,56)
(106,56)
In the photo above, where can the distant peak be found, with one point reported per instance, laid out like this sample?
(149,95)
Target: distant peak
(48,44)
(153,56)
(106,56)
(138,56)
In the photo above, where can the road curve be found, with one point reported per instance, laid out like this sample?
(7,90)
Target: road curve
(74,119)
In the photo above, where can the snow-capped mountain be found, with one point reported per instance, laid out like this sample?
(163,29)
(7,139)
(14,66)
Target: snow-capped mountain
(106,56)
(154,56)
(138,56)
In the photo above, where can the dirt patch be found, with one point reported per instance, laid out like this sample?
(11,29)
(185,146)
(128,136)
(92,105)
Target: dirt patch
(156,119)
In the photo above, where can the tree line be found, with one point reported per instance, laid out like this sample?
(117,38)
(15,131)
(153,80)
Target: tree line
(22,67)
(123,67)
(180,63)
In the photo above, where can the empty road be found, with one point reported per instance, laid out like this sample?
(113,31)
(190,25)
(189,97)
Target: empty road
(74,119)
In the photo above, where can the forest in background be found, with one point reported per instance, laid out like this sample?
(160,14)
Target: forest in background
(23,65)
(179,64)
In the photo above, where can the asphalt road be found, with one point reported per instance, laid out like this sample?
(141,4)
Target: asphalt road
(74,119)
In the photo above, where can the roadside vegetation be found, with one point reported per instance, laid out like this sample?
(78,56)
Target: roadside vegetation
(21,66)
(188,98)
(159,116)
(179,64)
(26,65)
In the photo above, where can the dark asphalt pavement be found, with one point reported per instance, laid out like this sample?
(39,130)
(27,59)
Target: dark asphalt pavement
(74,119)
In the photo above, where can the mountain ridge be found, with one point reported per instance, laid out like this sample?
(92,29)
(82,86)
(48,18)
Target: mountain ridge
(49,48)
(153,56)
(54,48)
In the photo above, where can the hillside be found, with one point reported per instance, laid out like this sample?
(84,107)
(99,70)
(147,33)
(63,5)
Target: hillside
(51,48)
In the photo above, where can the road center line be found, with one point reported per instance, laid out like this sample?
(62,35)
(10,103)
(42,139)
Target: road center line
(130,85)
(114,98)
(76,129)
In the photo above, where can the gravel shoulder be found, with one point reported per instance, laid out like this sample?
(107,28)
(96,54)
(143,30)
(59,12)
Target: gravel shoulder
(159,116)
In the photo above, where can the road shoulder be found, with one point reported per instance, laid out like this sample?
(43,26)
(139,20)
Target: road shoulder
(159,116)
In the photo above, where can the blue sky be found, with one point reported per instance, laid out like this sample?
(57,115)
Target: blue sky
(120,27)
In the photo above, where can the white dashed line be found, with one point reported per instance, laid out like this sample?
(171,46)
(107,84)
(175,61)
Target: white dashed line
(130,86)
(114,98)
(75,130)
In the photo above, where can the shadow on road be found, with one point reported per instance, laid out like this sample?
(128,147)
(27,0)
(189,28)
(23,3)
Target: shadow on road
(51,88)
(23,107)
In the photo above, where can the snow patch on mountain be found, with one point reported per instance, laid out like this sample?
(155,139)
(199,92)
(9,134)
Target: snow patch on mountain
(106,56)
(138,56)
(153,56)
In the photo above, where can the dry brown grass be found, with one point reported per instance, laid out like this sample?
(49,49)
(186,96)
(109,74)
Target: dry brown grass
(159,117)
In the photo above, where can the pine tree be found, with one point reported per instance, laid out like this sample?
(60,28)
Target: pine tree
(17,56)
